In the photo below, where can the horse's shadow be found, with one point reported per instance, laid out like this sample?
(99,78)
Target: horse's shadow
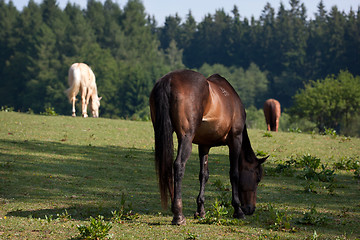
(87,180)
(76,212)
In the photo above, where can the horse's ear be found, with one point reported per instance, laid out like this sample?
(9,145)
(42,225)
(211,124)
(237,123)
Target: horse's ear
(262,160)
(100,98)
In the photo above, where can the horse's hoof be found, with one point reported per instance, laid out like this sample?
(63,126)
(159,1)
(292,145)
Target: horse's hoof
(180,221)
(73,115)
(240,215)
(85,115)
(199,215)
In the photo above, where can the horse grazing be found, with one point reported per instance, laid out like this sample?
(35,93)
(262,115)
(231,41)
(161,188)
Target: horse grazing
(207,112)
(81,78)
(272,112)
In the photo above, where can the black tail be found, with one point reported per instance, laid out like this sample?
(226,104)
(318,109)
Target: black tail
(164,149)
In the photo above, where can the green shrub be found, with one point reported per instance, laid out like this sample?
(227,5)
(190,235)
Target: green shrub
(6,109)
(349,164)
(284,168)
(49,111)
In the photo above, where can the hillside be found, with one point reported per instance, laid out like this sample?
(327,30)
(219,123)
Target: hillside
(57,171)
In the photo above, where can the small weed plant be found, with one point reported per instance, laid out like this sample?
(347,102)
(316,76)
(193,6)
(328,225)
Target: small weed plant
(283,168)
(65,216)
(219,215)
(309,186)
(267,134)
(294,130)
(261,153)
(49,218)
(125,212)
(216,215)
(308,161)
(223,193)
(330,132)
(191,236)
(269,237)
(313,217)
(278,220)
(98,229)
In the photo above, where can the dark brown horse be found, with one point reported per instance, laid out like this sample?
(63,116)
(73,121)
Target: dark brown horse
(272,112)
(207,112)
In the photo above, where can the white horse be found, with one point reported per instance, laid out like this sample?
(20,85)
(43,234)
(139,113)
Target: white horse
(81,78)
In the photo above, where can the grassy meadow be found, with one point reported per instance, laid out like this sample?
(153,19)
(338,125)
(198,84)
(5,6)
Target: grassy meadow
(57,171)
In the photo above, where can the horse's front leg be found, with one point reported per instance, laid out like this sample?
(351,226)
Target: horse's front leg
(184,151)
(83,102)
(234,155)
(203,178)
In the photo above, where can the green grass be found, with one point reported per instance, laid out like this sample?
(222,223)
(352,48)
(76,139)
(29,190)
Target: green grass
(56,172)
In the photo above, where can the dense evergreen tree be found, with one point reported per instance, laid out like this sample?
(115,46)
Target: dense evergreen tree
(8,19)
(8,16)
(141,58)
(316,48)
(272,56)
(170,31)
(16,74)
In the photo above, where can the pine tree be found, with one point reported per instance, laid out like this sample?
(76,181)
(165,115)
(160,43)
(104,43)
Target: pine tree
(23,42)
(8,17)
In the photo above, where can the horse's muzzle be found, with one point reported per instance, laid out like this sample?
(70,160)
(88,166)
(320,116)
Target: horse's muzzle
(248,209)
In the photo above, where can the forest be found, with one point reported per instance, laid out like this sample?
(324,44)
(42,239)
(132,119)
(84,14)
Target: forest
(284,54)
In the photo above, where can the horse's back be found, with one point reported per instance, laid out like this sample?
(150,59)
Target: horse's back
(186,80)
(226,113)
(82,74)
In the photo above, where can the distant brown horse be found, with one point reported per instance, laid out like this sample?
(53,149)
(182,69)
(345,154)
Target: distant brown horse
(272,112)
(207,112)
(81,78)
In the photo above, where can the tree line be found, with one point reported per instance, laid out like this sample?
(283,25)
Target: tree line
(273,56)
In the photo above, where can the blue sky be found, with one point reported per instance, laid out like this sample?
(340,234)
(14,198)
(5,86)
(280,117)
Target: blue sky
(199,8)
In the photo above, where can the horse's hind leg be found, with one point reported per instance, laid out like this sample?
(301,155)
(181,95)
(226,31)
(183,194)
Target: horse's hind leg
(203,178)
(184,151)
(73,100)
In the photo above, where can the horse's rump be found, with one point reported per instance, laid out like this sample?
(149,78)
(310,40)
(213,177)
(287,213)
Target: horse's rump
(74,79)
(272,112)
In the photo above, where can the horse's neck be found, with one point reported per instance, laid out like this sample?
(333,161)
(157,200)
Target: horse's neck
(94,94)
